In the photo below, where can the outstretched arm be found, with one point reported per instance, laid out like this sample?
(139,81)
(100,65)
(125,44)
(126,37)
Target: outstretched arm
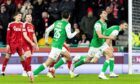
(47,31)
(68,31)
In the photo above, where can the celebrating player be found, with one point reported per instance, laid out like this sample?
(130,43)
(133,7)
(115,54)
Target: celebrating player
(62,30)
(98,45)
(112,31)
(14,41)
(30,42)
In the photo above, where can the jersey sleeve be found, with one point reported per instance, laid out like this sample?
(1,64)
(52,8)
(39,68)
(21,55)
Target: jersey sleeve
(97,27)
(47,31)
(68,31)
(8,34)
(24,28)
(33,29)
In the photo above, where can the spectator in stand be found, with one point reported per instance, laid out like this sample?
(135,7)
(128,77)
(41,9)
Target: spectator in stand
(44,21)
(45,18)
(11,7)
(53,10)
(81,8)
(67,5)
(115,9)
(17,2)
(87,23)
(4,20)
(74,40)
(19,6)
(26,8)
(38,8)
(84,42)
(110,16)
(1,2)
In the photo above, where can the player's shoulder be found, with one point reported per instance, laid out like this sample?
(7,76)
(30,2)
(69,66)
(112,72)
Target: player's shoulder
(11,23)
(21,22)
(114,26)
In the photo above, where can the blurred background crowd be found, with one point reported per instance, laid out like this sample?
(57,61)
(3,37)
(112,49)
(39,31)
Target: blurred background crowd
(45,12)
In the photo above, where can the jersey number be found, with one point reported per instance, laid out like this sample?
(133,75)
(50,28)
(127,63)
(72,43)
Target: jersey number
(57,33)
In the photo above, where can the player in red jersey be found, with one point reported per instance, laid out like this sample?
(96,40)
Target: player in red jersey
(14,40)
(30,42)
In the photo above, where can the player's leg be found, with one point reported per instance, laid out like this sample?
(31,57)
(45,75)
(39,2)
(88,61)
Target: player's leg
(5,62)
(77,58)
(43,66)
(62,61)
(108,55)
(111,65)
(10,51)
(54,54)
(88,58)
(94,59)
(28,64)
(20,52)
(65,59)
(66,55)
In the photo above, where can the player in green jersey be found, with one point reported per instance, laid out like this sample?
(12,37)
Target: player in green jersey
(62,30)
(98,40)
(112,31)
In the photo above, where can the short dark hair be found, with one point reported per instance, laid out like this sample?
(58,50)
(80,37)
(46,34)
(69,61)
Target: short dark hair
(17,13)
(65,14)
(27,14)
(122,22)
(100,12)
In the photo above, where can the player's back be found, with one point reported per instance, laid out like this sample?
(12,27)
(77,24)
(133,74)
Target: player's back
(16,35)
(59,33)
(111,29)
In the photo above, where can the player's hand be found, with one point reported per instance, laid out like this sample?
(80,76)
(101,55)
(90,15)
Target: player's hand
(112,48)
(37,48)
(7,47)
(112,37)
(77,30)
(33,44)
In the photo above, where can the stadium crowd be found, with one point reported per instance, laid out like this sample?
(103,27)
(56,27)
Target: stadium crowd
(45,12)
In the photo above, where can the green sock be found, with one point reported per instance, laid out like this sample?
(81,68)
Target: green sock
(82,57)
(59,63)
(82,61)
(104,68)
(111,64)
(39,69)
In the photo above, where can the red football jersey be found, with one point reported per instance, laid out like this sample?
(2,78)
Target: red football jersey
(29,28)
(14,33)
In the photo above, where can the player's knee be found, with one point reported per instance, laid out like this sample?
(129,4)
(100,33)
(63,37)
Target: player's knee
(7,56)
(22,58)
(87,60)
(95,60)
(27,54)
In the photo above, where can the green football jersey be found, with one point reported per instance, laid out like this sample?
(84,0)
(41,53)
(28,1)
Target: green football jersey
(97,42)
(111,29)
(59,34)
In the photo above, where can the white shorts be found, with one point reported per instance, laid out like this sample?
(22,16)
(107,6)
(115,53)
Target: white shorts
(97,52)
(55,52)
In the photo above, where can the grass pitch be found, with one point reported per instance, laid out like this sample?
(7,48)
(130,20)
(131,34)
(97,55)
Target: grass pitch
(65,79)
